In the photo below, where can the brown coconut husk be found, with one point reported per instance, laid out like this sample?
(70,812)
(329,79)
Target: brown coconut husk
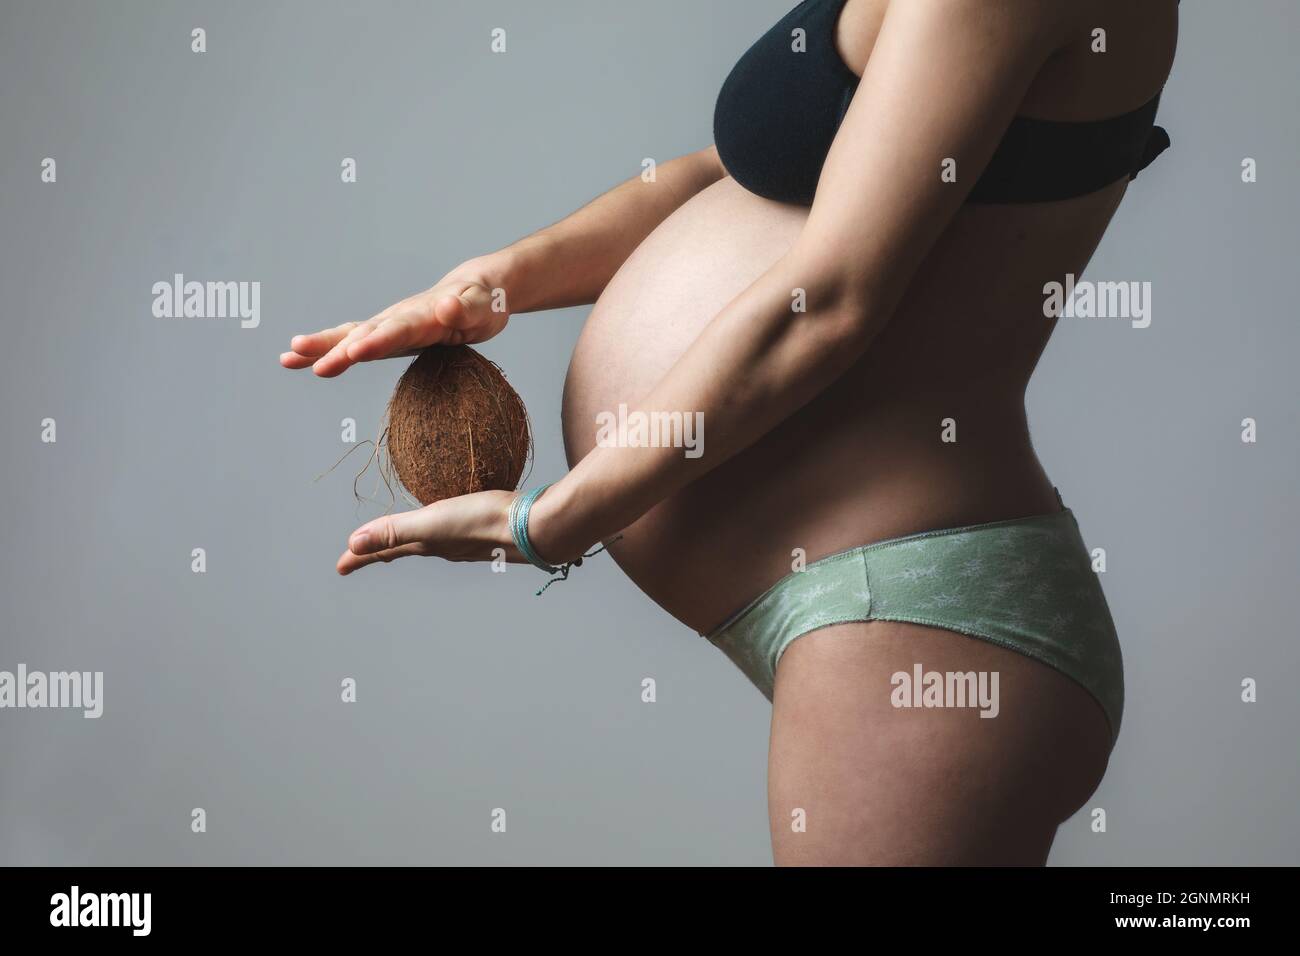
(455,427)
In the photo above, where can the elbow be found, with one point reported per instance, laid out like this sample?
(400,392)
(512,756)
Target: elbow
(836,298)
(711,162)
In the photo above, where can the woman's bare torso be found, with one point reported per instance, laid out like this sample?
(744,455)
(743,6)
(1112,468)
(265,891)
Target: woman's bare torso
(866,460)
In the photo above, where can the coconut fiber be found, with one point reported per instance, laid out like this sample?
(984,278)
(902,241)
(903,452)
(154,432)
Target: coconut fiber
(455,426)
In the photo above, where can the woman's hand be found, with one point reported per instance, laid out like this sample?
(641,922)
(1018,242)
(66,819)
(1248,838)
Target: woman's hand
(463,308)
(467,528)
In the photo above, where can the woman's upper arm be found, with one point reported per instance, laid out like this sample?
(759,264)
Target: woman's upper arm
(943,82)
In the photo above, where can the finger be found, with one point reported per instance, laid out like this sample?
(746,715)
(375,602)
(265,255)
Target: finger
(407,327)
(393,336)
(458,311)
(336,360)
(317,344)
(349,561)
(392,531)
(294,360)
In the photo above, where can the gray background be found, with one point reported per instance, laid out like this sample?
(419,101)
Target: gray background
(222,689)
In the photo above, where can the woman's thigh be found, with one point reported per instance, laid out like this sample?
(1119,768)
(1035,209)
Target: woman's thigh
(856,779)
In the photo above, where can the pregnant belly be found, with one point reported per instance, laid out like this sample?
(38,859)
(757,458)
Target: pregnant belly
(862,462)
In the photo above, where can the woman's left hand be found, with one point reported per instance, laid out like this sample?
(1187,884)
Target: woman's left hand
(471,527)
(467,528)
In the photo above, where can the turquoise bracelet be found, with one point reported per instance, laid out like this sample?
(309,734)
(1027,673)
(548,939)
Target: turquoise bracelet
(517,518)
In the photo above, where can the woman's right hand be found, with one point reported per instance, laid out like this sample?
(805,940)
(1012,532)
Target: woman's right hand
(462,309)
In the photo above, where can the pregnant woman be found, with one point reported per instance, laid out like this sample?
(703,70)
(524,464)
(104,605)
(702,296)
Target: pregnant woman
(848,287)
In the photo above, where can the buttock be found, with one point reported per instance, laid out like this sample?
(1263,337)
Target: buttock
(886,770)
(1025,584)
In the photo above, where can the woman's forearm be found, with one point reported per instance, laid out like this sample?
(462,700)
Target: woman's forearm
(570,263)
(756,363)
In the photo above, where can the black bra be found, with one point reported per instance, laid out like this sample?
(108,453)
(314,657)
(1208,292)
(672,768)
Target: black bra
(779,110)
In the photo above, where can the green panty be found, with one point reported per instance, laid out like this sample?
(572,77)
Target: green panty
(1026,584)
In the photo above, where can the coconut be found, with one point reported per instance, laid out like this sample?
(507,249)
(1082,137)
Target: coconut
(455,426)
